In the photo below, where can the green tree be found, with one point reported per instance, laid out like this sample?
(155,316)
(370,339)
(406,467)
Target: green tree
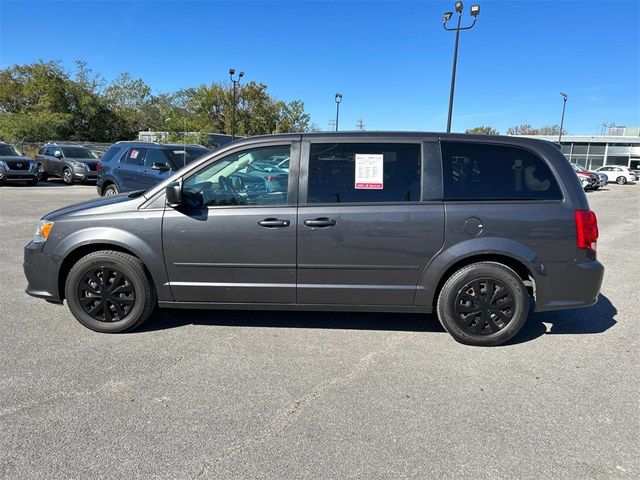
(482,131)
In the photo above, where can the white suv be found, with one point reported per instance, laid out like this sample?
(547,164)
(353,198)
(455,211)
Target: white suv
(618,174)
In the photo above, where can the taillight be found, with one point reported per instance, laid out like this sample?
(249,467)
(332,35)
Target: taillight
(97,166)
(586,229)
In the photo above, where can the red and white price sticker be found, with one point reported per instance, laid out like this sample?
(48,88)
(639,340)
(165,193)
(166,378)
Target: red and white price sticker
(369,171)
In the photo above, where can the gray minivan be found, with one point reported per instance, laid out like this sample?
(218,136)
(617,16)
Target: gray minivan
(472,228)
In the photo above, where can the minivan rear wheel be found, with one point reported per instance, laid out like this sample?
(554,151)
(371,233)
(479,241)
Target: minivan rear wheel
(483,304)
(621,180)
(110,292)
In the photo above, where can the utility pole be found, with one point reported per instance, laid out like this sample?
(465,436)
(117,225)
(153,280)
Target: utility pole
(361,125)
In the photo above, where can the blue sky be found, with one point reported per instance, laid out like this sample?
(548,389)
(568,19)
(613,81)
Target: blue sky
(391,60)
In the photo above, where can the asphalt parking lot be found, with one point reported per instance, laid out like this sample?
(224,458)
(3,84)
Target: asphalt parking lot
(318,395)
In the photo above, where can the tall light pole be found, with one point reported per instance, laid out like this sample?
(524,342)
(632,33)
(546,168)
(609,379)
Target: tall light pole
(475,10)
(564,105)
(338,99)
(235,84)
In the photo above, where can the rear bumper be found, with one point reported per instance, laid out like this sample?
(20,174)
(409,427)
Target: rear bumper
(42,273)
(562,285)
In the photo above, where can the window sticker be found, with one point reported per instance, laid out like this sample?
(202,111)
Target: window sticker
(134,154)
(369,171)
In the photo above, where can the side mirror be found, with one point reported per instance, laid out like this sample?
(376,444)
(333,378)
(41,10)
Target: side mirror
(163,167)
(57,154)
(174,194)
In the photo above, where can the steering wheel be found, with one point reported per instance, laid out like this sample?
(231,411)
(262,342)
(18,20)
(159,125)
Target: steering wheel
(226,186)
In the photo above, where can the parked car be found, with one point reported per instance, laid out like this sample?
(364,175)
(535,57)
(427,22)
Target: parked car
(129,166)
(618,174)
(636,172)
(588,180)
(471,227)
(16,167)
(72,163)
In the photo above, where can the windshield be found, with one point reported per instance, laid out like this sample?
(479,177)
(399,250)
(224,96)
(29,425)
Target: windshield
(9,151)
(180,156)
(78,152)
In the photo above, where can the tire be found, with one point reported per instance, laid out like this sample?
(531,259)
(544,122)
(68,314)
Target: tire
(129,297)
(42,176)
(621,180)
(465,314)
(110,190)
(67,176)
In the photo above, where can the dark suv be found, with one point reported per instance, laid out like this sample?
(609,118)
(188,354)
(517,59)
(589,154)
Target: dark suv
(129,166)
(471,227)
(16,167)
(73,163)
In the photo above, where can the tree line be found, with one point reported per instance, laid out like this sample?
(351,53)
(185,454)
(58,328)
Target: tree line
(523,129)
(43,100)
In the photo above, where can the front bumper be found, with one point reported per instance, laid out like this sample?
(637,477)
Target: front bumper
(563,285)
(18,175)
(42,273)
(83,175)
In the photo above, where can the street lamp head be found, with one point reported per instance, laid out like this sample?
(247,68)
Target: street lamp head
(241,75)
(475,10)
(446,16)
(231,71)
(564,95)
(459,7)
(338,97)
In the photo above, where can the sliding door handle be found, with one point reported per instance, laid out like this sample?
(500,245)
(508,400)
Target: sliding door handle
(274,223)
(322,222)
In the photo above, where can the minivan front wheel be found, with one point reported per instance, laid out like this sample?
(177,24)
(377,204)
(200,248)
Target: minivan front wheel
(483,304)
(110,292)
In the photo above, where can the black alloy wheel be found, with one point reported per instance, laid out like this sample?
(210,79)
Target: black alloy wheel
(484,306)
(106,294)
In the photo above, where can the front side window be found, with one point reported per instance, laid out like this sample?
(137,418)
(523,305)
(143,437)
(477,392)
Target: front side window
(495,172)
(364,173)
(154,155)
(248,177)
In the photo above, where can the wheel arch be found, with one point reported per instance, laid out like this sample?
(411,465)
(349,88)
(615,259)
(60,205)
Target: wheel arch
(512,254)
(82,250)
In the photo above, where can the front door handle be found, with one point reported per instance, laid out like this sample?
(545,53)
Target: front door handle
(322,222)
(274,223)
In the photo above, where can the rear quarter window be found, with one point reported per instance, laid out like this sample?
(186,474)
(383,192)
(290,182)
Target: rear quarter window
(495,172)
(110,154)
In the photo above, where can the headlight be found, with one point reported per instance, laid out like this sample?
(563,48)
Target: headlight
(42,232)
(80,165)
(4,165)
(32,166)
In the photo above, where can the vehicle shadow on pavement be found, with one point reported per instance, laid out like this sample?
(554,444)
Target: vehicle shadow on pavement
(597,318)
(172,318)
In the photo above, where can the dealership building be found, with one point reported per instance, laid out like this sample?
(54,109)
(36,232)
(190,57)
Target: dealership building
(592,151)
